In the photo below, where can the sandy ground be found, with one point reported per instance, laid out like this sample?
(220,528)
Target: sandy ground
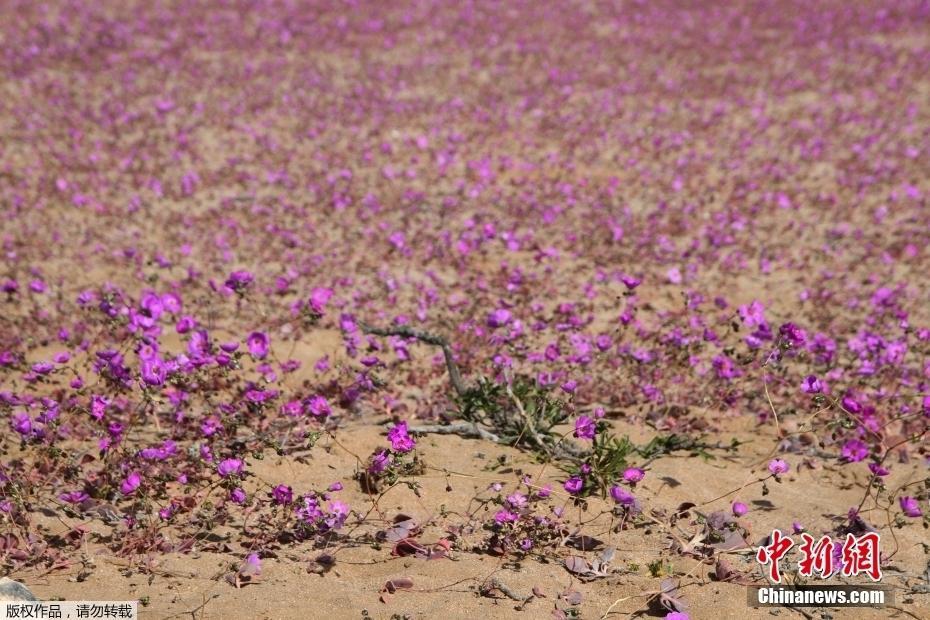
(181,585)
(238,149)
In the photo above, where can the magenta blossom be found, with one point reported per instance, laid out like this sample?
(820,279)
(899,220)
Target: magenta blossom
(505,516)
(499,317)
(778,467)
(131,483)
(73,497)
(21,423)
(910,507)
(574,485)
(622,496)
(739,509)
(229,467)
(379,462)
(400,440)
(258,344)
(811,385)
(153,372)
(338,512)
(854,450)
(878,470)
(632,475)
(630,282)
(318,406)
(585,427)
(239,280)
(282,494)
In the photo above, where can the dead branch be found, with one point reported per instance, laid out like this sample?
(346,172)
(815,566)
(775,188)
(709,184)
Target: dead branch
(455,377)
(503,588)
(463,429)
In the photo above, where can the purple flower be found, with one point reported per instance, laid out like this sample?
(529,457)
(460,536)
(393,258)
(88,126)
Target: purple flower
(585,428)
(854,450)
(778,466)
(632,475)
(210,426)
(21,423)
(258,344)
(574,485)
(282,494)
(318,406)
(499,317)
(310,512)
(910,507)
(73,497)
(379,462)
(505,516)
(237,496)
(793,335)
(253,565)
(516,500)
(400,440)
(167,449)
(131,483)
(677,615)
(850,404)
(229,467)
(43,368)
(153,372)
(338,512)
(630,282)
(569,387)
(185,324)
(622,496)
(239,280)
(811,385)
(739,509)
(878,470)
(318,299)
(171,303)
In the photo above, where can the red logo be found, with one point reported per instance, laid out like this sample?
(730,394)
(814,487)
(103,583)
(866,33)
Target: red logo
(774,552)
(824,557)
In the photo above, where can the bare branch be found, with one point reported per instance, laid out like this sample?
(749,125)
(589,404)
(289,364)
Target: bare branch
(463,429)
(455,377)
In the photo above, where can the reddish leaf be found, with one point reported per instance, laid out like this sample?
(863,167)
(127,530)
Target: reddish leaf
(577,565)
